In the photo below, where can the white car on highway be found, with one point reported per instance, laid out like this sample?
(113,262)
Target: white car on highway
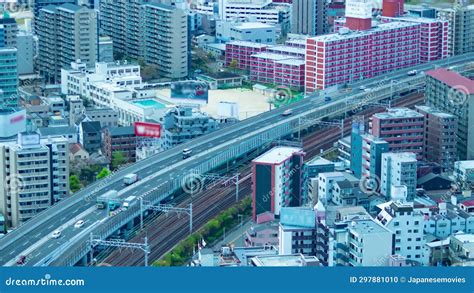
(79,224)
(56,234)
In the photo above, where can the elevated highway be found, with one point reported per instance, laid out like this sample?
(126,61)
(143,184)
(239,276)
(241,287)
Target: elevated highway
(162,173)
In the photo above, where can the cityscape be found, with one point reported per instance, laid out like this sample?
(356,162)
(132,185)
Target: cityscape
(237,133)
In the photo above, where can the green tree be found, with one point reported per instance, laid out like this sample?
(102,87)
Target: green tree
(74,183)
(233,65)
(103,173)
(118,159)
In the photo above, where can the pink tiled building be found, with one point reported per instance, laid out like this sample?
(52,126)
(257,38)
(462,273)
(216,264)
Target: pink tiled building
(241,52)
(402,128)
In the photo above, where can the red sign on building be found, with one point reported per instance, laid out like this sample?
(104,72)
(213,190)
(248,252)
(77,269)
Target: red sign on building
(147,129)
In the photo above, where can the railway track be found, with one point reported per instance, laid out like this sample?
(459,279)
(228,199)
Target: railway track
(165,231)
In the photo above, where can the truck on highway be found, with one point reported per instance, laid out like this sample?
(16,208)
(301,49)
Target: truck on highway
(130,178)
(105,199)
(128,201)
(113,204)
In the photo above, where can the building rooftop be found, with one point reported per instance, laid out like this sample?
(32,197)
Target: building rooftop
(91,126)
(272,56)
(277,155)
(287,49)
(149,103)
(464,238)
(380,27)
(468,164)
(434,111)
(398,113)
(248,44)
(120,131)
(253,25)
(363,227)
(58,130)
(295,260)
(468,203)
(296,62)
(406,157)
(319,161)
(453,79)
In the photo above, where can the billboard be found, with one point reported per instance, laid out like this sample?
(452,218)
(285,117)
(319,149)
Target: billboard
(29,139)
(146,129)
(298,216)
(190,90)
(12,122)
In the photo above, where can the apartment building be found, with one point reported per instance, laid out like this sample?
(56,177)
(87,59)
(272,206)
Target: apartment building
(461,30)
(183,123)
(9,72)
(242,53)
(120,139)
(433,36)
(297,231)
(402,128)
(277,69)
(463,172)
(156,32)
(451,92)
(440,136)
(398,169)
(165,33)
(277,180)
(370,244)
(9,27)
(256,32)
(120,20)
(346,56)
(36,172)
(263,11)
(309,17)
(406,223)
(66,33)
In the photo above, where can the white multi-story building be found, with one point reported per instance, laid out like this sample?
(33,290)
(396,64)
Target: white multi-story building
(327,183)
(407,224)
(36,173)
(246,31)
(463,172)
(114,85)
(256,10)
(370,244)
(398,169)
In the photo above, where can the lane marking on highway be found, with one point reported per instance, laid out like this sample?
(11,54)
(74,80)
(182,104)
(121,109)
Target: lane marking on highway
(43,240)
